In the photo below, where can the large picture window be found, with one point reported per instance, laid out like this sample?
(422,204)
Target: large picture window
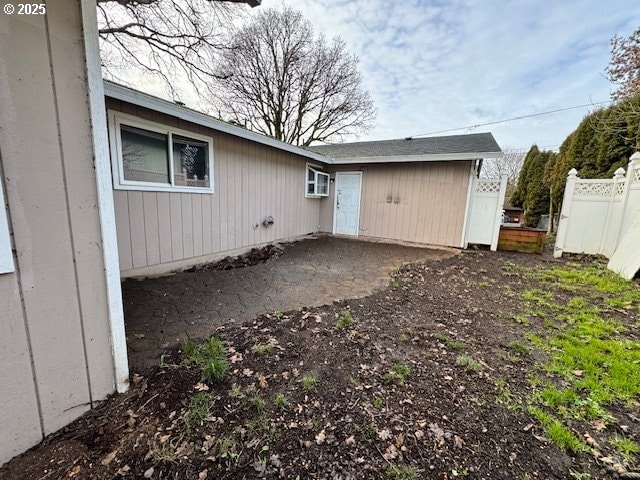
(151,156)
(317,184)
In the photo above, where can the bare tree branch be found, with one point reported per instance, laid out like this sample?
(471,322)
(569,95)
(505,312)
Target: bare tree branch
(278,78)
(624,68)
(167,39)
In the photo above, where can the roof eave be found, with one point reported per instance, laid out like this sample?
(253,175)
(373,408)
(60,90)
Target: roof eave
(435,157)
(144,100)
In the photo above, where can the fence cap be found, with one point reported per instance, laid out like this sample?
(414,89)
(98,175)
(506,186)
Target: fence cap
(573,173)
(619,173)
(635,157)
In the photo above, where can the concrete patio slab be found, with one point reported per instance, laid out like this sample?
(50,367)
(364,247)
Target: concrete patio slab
(161,312)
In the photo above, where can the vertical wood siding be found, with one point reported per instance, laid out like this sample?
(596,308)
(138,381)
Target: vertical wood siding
(54,324)
(431,201)
(252,182)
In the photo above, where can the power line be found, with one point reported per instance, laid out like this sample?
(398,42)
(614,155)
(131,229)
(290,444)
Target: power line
(548,112)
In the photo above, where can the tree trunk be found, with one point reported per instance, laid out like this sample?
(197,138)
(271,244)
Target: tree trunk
(550,224)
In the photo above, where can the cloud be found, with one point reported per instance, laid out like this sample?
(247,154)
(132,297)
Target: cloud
(435,65)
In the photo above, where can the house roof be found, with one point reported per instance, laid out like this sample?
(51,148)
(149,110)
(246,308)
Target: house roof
(451,147)
(135,97)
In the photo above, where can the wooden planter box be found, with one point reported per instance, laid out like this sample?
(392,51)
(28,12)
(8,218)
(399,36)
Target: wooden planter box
(526,240)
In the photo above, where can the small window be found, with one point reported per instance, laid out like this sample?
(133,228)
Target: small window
(152,156)
(317,183)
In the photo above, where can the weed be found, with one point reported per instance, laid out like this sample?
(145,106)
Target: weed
(226,447)
(164,454)
(281,401)
(504,396)
(370,430)
(215,370)
(236,392)
(579,475)
(200,407)
(210,356)
(262,348)
(398,373)
(469,363)
(378,402)
(308,383)
(345,320)
(261,427)
(457,345)
(395,284)
(278,314)
(401,472)
(440,336)
(627,448)
(519,348)
(258,402)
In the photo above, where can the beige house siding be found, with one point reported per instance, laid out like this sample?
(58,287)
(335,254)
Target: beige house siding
(161,231)
(55,347)
(431,201)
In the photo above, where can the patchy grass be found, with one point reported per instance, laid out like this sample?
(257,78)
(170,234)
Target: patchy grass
(345,320)
(210,356)
(470,363)
(262,348)
(200,407)
(401,472)
(281,401)
(627,448)
(591,363)
(309,383)
(398,374)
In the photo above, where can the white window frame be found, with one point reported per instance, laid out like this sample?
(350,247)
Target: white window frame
(317,170)
(116,119)
(6,254)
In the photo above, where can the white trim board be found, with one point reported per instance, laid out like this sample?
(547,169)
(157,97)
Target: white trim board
(432,157)
(6,254)
(97,110)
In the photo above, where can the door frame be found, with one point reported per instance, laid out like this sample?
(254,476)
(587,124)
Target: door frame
(335,202)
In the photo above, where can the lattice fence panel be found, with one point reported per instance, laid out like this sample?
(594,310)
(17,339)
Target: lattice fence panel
(487,186)
(592,189)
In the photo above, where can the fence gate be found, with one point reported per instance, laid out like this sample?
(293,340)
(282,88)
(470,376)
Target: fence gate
(485,213)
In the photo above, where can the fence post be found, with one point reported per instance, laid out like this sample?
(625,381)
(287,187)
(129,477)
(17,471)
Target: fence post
(567,200)
(606,248)
(499,210)
(634,163)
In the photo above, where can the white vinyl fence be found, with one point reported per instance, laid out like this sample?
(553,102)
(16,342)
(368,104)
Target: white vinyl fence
(596,214)
(485,214)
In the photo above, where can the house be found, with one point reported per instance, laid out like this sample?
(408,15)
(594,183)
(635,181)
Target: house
(206,188)
(160,188)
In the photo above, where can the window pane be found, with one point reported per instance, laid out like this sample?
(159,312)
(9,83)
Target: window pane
(322,187)
(144,155)
(311,175)
(190,162)
(311,188)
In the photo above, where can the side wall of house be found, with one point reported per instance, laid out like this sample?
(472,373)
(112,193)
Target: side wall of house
(417,202)
(162,231)
(55,347)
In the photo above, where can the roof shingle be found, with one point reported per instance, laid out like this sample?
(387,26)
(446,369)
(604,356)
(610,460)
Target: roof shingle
(482,143)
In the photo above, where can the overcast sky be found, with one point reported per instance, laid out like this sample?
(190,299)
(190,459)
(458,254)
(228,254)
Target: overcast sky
(432,65)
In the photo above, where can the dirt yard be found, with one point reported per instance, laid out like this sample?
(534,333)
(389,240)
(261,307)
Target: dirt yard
(481,366)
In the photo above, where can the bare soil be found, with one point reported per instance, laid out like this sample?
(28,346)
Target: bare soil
(443,420)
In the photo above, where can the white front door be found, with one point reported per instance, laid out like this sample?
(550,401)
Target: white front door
(347,203)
